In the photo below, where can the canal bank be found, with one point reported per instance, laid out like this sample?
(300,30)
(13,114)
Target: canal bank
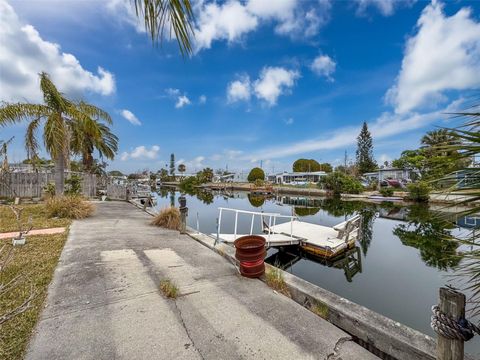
(104,301)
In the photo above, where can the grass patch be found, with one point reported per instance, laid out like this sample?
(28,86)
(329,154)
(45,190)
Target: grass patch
(36,260)
(69,207)
(169,289)
(274,279)
(320,309)
(38,214)
(168,218)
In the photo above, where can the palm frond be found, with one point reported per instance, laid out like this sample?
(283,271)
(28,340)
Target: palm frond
(94,112)
(11,113)
(177,15)
(55,136)
(31,142)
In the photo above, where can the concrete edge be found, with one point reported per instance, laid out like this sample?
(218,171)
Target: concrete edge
(377,333)
(380,335)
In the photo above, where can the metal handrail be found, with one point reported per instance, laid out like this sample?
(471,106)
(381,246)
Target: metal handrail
(253,214)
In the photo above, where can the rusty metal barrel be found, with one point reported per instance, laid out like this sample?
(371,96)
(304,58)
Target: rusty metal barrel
(250,252)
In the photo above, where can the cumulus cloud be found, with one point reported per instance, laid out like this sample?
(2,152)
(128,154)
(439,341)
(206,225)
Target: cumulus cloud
(385,7)
(130,117)
(273,82)
(323,65)
(141,152)
(181,100)
(232,20)
(443,55)
(239,90)
(24,54)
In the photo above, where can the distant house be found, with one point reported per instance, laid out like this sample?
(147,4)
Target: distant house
(224,178)
(28,168)
(389,173)
(296,177)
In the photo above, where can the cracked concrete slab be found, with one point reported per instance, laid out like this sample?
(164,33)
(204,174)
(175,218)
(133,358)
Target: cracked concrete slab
(104,301)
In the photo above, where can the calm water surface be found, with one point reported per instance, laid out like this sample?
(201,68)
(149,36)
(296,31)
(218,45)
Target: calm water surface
(396,269)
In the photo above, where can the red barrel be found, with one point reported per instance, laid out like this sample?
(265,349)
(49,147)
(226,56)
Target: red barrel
(250,251)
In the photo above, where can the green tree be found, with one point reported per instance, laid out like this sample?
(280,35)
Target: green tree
(326,167)
(59,115)
(163,174)
(86,139)
(206,175)
(115,173)
(182,168)
(365,161)
(306,165)
(256,174)
(340,183)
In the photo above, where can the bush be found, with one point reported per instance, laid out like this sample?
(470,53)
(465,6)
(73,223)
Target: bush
(386,191)
(49,190)
(69,207)
(73,185)
(256,174)
(338,183)
(259,183)
(418,191)
(188,184)
(168,218)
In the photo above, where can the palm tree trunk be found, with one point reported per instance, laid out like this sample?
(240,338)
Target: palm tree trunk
(59,174)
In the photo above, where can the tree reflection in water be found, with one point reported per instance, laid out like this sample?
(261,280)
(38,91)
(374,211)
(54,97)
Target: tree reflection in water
(256,200)
(431,235)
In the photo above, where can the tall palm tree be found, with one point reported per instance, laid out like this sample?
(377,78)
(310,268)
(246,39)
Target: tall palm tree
(438,137)
(176,15)
(59,115)
(84,142)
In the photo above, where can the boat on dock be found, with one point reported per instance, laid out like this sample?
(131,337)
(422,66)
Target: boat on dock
(319,240)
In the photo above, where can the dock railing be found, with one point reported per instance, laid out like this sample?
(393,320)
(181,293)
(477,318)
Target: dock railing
(272,221)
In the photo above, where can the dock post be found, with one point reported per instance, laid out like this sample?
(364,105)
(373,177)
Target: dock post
(452,303)
(183,214)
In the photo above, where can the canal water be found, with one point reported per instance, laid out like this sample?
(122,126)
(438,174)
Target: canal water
(400,262)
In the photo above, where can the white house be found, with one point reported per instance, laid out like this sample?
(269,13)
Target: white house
(296,177)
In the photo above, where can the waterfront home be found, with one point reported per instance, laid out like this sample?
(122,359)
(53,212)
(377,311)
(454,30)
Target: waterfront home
(297,177)
(390,174)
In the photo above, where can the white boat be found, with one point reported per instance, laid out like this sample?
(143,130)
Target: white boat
(316,239)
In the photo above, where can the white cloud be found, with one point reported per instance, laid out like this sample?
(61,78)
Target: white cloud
(443,55)
(130,117)
(229,21)
(141,152)
(24,54)
(386,125)
(323,65)
(386,7)
(182,101)
(273,82)
(289,121)
(232,20)
(239,90)
(202,99)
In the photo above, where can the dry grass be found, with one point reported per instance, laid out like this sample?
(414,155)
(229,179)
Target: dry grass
(37,213)
(168,218)
(69,207)
(274,279)
(36,260)
(169,289)
(320,309)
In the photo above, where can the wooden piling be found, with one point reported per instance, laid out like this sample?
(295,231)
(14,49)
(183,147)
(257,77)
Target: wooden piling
(452,303)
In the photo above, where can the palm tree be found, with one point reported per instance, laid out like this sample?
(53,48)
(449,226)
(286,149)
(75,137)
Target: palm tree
(3,152)
(84,142)
(177,15)
(59,116)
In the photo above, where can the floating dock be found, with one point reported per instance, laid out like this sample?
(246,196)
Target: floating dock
(317,239)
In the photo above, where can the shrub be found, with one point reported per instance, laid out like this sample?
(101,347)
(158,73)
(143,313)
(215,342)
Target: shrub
(255,174)
(73,185)
(69,207)
(49,190)
(259,183)
(386,191)
(168,218)
(418,191)
(338,183)
(188,184)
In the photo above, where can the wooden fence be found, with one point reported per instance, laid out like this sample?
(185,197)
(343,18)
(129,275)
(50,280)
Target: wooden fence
(117,192)
(30,185)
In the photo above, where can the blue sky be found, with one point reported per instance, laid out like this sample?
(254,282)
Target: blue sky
(269,81)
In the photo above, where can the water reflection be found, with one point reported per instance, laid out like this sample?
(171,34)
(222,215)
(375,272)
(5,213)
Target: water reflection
(350,261)
(256,200)
(431,235)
